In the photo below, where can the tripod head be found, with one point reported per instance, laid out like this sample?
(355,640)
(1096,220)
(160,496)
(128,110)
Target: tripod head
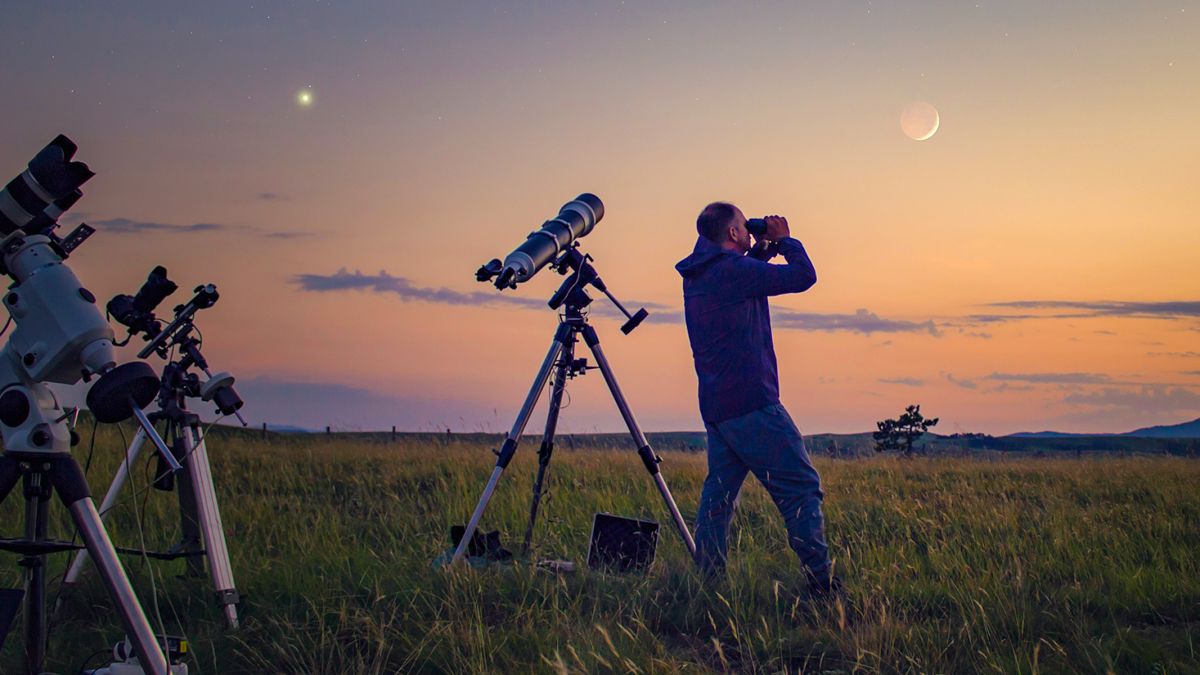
(557,245)
(573,291)
(136,313)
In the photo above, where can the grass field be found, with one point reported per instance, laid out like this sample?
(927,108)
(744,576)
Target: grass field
(952,566)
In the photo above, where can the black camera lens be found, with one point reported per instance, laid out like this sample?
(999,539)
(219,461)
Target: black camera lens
(155,290)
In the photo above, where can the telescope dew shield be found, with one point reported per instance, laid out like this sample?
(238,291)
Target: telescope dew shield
(575,219)
(34,200)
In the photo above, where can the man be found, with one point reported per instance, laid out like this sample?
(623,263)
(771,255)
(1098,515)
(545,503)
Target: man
(726,283)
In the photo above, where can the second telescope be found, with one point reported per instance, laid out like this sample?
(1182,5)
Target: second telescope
(574,220)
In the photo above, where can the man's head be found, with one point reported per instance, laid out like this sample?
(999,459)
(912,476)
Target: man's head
(723,224)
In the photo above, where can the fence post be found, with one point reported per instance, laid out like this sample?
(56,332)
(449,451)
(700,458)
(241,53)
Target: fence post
(393,432)
(264,431)
(328,431)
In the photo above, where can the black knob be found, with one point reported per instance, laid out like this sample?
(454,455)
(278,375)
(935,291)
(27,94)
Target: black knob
(14,408)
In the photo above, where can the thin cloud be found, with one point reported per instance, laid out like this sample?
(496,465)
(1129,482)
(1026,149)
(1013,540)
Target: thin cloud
(272,197)
(287,234)
(343,280)
(1074,309)
(862,321)
(131,226)
(1156,399)
(964,383)
(1004,318)
(1052,378)
(905,381)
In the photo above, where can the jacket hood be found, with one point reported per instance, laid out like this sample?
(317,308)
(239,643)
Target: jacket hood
(705,254)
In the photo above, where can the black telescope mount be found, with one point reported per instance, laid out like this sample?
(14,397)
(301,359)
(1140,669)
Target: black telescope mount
(580,273)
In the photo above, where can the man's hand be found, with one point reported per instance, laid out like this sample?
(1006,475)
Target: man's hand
(777,228)
(764,250)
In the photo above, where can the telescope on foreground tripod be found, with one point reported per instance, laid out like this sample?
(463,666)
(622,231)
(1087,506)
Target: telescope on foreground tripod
(201,532)
(556,244)
(62,337)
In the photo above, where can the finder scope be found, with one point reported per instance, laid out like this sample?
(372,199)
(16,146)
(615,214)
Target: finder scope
(575,219)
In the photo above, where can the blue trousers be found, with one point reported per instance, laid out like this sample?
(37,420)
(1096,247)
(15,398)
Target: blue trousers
(768,443)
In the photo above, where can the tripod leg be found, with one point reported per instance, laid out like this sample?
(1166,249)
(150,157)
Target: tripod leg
(72,489)
(110,498)
(561,337)
(547,448)
(209,516)
(644,451)
(37,513)
(10,473)
(191,540)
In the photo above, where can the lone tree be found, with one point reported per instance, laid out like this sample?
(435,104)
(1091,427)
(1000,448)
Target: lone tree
(901,433)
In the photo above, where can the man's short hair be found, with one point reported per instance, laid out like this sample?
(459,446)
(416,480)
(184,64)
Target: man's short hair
(714,221)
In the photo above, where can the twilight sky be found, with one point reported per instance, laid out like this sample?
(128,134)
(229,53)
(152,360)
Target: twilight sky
(1030,266)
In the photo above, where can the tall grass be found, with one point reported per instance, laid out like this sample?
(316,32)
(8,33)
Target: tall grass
(951,565)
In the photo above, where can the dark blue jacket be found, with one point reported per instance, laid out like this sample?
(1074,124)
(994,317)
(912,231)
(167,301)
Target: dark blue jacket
(729,323)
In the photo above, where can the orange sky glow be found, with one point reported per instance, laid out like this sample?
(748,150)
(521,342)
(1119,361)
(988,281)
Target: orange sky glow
(1030,266)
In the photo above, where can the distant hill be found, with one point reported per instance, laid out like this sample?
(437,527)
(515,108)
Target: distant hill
(1051,434)
(1183,430)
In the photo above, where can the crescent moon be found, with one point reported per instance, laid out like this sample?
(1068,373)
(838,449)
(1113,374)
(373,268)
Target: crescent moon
(920,121)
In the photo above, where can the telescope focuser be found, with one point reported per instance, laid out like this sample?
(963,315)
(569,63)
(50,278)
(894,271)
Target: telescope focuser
(493,269)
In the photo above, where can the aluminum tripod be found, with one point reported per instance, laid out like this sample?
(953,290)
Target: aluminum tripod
(200,516)
(560,359)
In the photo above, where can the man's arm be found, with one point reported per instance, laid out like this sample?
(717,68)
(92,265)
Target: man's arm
(752,278)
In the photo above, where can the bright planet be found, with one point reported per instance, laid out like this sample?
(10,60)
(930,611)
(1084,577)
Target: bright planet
(304,98)
(920,121)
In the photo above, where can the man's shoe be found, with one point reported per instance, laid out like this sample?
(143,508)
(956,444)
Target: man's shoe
(825,587)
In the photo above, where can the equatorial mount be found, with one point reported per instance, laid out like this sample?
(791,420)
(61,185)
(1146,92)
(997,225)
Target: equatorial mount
(573,290)
(137,314)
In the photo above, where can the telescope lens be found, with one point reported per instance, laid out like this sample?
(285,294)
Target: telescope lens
(35,199)
(154,291)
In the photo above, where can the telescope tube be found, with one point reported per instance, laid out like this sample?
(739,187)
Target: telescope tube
(575,219)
